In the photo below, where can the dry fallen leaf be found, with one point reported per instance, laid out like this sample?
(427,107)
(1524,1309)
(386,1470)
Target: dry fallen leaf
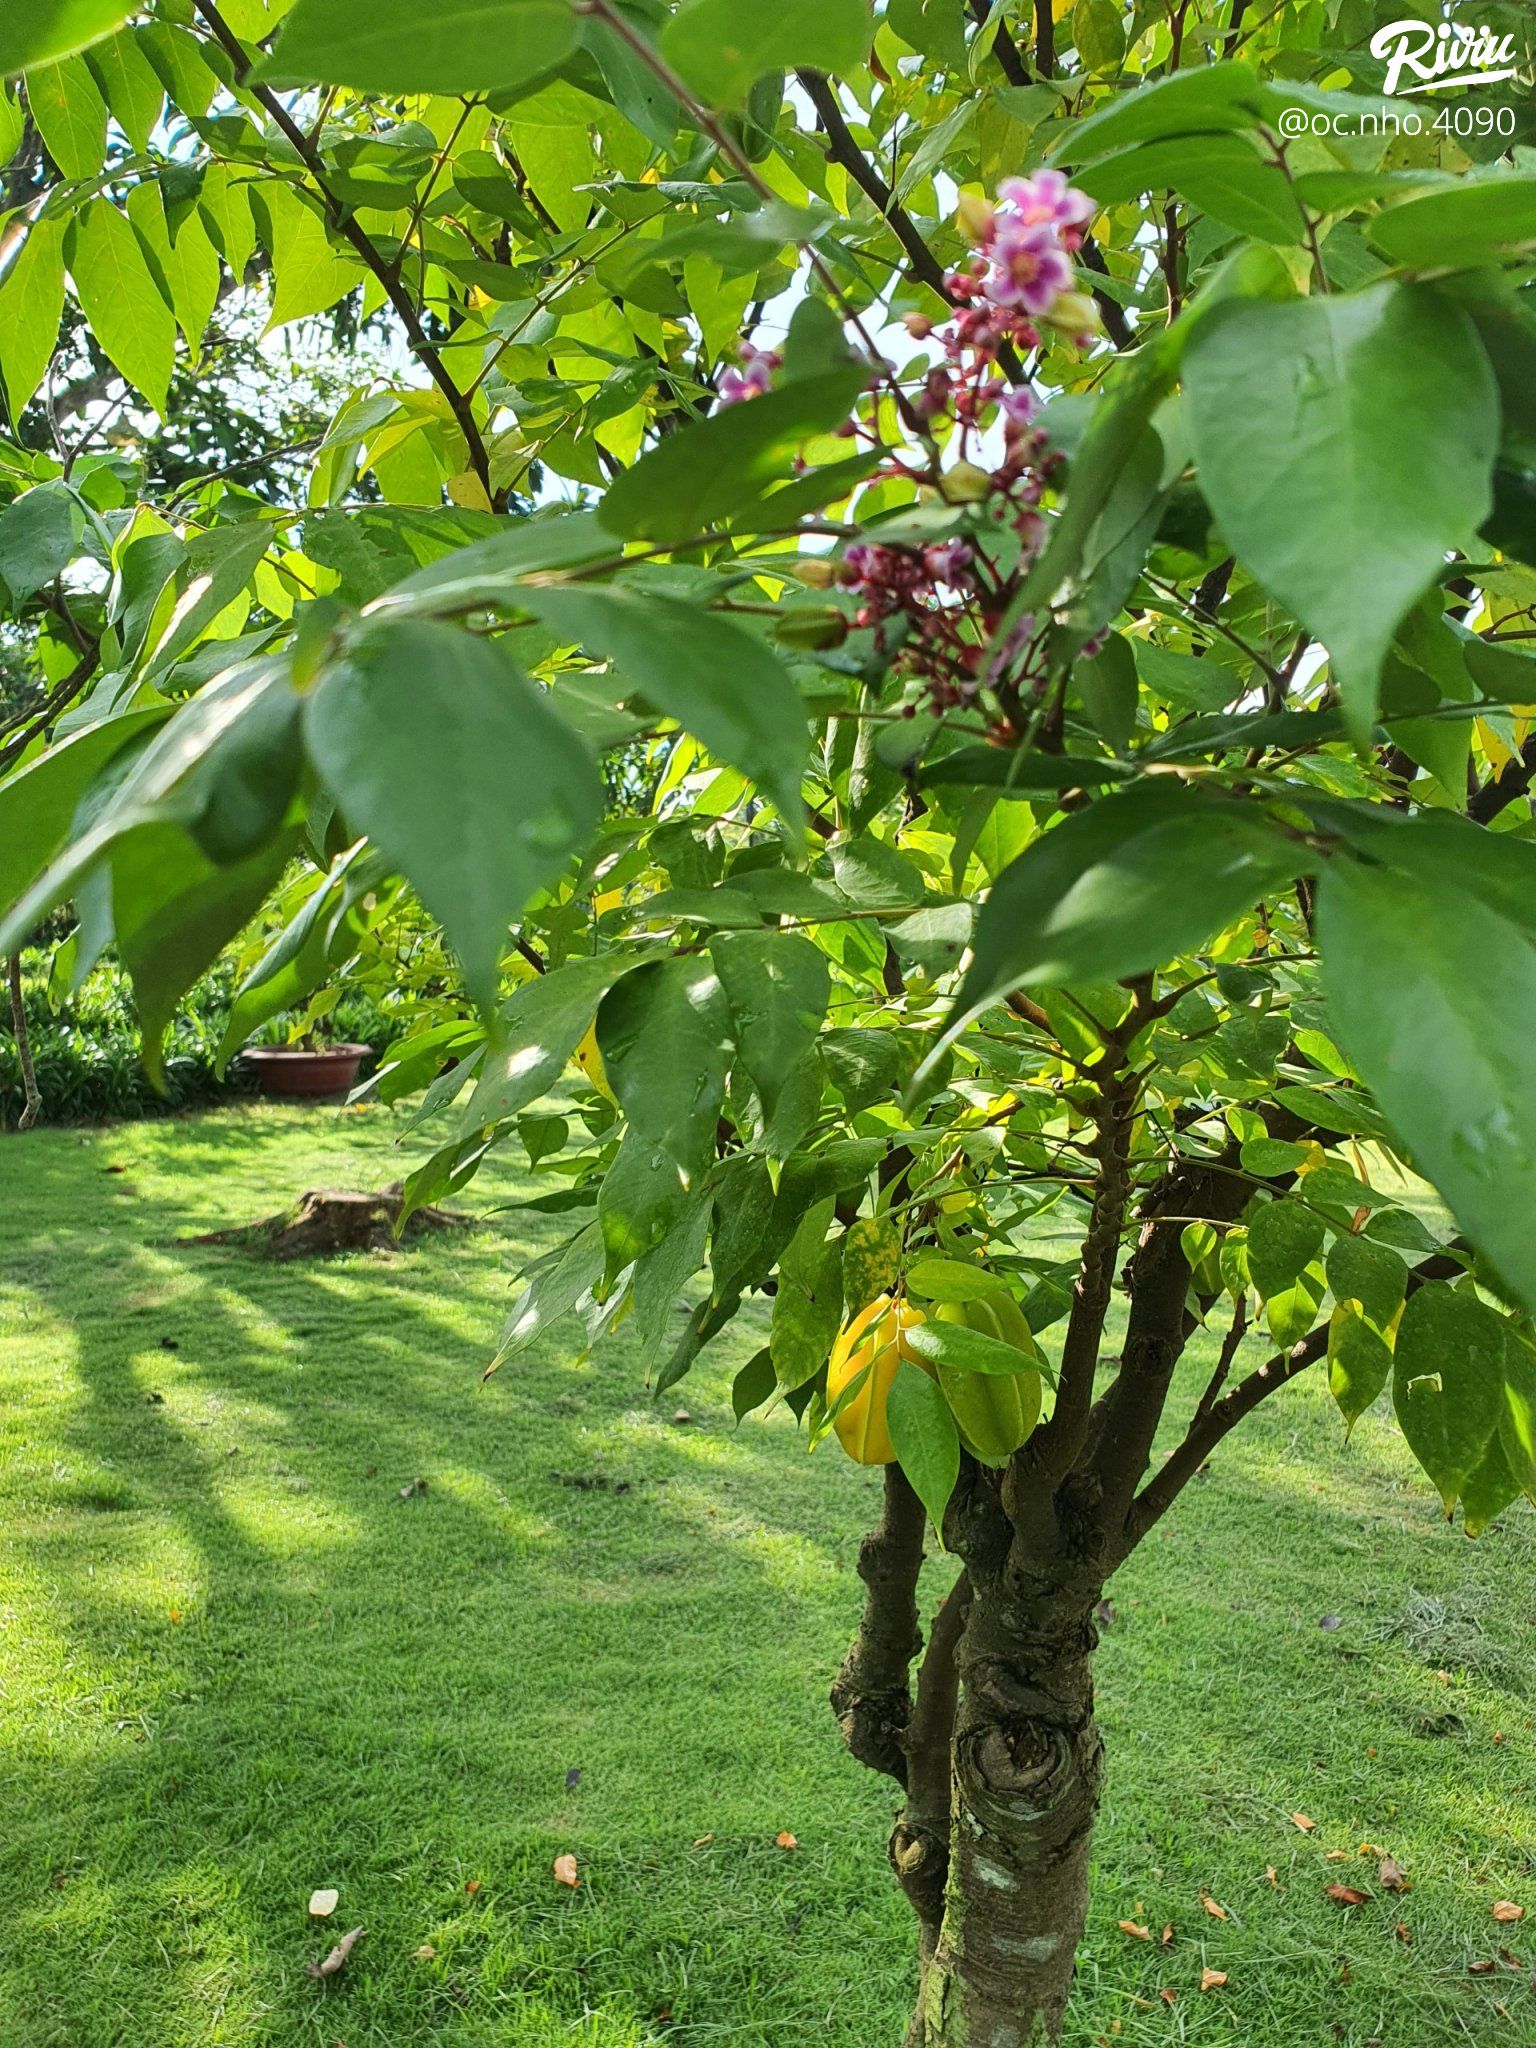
(322,1903)
(337,1956)
(1393,1877)
(1216,1912)
(425,1954)
(1337,1856)
(473,1886)
(1269,1876)
(1403,1932)
(1169,1997)
(1506,1912)
(1138,1933)
(1212,1980)
(1481,1969)
(1303,1821)
(785,1840)
(1167,1935)
(1346,1895)
(565,1871)
(702,1841)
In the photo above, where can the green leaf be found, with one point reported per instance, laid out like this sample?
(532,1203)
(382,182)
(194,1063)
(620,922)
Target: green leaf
(39,535)
(965,1350)
(1318,490)
(71,116)
(661,1274)
(1431,986)
(1359,1362)
(1223,175)
(1489,1489)
(1517,1417)
(121,299)
(1291,1311)
(1371,1274)
(723,467)
(321,938)
(555,1284)
(458,46)
(1283,1240)
(308,274)
(926,1441)
(38,803)
(131,88)
(37,31)
(1200,101)
(537,1030)
(871,1260)
(935,1279)
(754,1384)
(31,304)
(726,687)
(1460,226)
(1106,684)
(444,753)
(1122,886)
(720,47)
(173,911)
(1448,1383)
(664,1035)
(808,1307)
(777,985)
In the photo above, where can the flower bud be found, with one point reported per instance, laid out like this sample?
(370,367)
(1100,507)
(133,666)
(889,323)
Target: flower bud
(1072,313)
(811,626)
(965,484)
(974,217)
(817,572)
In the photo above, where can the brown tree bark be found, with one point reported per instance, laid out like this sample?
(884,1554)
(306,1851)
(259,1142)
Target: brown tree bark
(1027,1764)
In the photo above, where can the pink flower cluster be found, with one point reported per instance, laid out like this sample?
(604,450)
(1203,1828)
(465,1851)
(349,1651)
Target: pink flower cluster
(754,377)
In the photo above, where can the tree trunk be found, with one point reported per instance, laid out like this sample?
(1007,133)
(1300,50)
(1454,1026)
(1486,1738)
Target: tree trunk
(1027,1763)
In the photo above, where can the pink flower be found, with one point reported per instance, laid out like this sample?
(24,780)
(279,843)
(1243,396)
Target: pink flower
(949,561)
(753,378)
(1029,267)
(1018,407)
(1046,200)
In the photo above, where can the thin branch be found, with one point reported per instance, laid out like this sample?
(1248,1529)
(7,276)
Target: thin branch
(919,1846)
(32,1095)
(1208,1429)
(1231,1344)
(870,1697)
(387,273)
(1004,48)
(1500,791)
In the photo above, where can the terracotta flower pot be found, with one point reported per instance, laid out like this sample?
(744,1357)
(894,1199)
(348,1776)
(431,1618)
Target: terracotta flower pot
(295,1070)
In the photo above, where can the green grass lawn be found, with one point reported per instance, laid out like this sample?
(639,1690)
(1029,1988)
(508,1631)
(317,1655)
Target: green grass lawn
(236,1664)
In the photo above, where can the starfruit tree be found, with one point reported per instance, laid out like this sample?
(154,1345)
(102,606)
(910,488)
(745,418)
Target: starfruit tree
(927,618)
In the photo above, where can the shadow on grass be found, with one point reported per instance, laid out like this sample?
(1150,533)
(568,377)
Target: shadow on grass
(263,1658)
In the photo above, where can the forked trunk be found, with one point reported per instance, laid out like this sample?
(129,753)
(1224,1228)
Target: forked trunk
(1027,1763)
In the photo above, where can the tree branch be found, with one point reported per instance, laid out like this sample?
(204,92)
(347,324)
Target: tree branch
(1500,791)
(387,273)
(870,1696)
(842,149)
(1051,1451)
(1208,1429)
(1004,48)
(919,1846)
(32,1102)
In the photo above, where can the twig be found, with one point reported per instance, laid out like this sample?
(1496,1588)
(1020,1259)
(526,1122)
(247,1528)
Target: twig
(387,273)
(33,1103)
